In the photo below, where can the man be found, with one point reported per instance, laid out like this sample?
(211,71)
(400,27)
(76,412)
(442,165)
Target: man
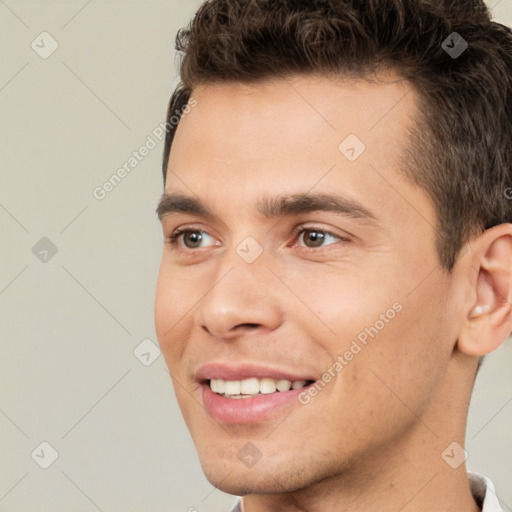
(338,247)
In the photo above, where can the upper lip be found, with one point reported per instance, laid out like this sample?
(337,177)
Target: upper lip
(226,371)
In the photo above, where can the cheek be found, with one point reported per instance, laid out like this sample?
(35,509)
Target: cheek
(342,303)
(402,363)
(372,321)
(173,308)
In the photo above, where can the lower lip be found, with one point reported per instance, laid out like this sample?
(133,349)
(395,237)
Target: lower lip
(247,410)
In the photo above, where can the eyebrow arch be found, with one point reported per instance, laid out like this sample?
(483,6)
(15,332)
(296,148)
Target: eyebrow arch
(293,204)
(305,203)
(178,203)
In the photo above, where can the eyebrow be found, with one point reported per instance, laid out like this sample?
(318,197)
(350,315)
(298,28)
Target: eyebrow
(292,204)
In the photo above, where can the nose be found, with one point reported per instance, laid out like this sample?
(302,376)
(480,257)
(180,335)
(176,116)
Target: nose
(242,299)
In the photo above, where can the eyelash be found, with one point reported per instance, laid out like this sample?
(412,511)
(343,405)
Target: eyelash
(173,239)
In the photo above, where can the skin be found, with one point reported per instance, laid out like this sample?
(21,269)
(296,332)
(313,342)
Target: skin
(372,439)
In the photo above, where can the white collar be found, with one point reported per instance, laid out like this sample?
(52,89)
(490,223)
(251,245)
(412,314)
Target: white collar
(484,493)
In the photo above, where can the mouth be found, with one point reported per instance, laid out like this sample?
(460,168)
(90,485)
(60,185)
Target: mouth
(252,387)
(247,393)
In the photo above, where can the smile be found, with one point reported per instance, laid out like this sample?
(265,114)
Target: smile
(251,387)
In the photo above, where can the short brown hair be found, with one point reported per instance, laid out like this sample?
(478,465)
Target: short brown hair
(460,149)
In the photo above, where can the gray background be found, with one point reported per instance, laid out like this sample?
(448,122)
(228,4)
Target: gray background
(70,321)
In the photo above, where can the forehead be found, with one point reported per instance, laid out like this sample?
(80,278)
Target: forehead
(292,135)
(324,105)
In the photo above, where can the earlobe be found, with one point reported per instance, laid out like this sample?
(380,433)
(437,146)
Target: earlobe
(488,321)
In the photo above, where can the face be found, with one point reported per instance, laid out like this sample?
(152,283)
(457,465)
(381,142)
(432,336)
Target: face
(295,256)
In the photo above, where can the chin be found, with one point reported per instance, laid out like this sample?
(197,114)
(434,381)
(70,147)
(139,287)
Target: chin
(262,478)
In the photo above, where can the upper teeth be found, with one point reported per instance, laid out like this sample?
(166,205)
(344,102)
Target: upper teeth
(253,386)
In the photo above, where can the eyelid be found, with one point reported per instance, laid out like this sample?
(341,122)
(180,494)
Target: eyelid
(302,227)
(185,228)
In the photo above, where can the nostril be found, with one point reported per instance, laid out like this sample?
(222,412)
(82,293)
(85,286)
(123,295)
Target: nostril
(252,326)
(236,330)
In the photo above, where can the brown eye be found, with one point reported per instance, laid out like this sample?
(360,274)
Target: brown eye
(192,239)
(313,238)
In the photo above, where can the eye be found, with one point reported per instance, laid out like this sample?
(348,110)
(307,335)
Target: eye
(191,239)
(313,237)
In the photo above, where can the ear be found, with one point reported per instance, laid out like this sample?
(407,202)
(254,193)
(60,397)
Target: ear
(488,314)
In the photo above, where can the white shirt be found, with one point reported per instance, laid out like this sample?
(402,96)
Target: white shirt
(481,488)
(484,493)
